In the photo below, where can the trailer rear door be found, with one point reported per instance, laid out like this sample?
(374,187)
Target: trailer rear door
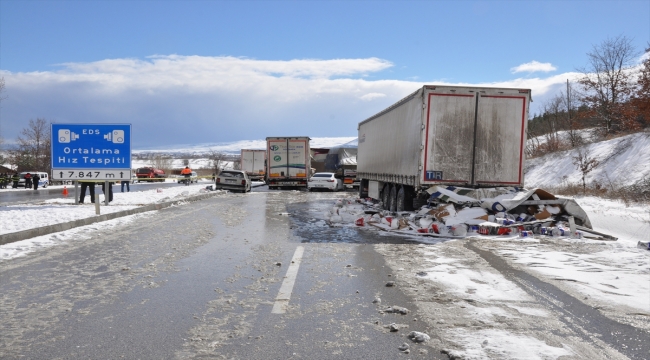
(500,138)
(449,133)
(288,158)
(474,136)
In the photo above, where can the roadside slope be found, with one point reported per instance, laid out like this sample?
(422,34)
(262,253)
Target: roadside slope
(622,161)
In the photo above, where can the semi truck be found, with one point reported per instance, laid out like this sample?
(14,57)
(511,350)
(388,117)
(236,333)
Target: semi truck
(443,135)
(288,162)
(342,161)
(253,162)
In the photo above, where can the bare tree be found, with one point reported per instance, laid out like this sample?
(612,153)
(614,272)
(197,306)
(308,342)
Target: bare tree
(607,83)
(552,118)
(217,160)
(641,99)
(585,163)
(33,149)
(571,123)
(163,162)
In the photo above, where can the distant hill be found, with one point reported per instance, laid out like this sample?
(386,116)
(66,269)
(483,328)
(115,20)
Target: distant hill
(235,147)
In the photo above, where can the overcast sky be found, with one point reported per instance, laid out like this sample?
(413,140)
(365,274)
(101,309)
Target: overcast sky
(184,72)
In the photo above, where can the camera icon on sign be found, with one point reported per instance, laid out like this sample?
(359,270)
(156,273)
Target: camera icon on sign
(66,136)
(115,136)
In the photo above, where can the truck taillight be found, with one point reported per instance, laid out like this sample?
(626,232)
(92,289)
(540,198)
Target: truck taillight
(218,180)
(243,182)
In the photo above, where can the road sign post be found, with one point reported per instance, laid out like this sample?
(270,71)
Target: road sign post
(91,152)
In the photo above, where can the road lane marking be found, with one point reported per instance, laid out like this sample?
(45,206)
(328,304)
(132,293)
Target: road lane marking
(284,295)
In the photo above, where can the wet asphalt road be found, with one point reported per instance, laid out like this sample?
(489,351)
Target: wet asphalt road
(200,282)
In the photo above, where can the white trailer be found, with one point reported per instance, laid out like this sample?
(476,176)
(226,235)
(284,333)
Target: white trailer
(253,162)
(289,162)
(443,135)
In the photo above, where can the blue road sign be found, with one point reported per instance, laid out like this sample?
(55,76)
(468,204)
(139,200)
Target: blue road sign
(100,148)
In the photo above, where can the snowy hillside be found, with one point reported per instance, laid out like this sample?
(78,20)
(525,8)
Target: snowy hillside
(621,162)
(236,146)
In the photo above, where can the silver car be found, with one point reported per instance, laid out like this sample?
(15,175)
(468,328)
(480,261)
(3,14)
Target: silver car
(234,180)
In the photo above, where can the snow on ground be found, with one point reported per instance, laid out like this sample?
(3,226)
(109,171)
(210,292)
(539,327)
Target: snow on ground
(21,217)
(55,211)
(505,345)
(25,247)
(619,264)
(622,161)
(609,275)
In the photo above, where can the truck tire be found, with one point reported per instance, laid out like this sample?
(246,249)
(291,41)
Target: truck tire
(385,197)
(393,199)
(405,198)
(401,201)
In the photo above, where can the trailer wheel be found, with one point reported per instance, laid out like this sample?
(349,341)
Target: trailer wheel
(405,198)
(385,197)
(401,200)
(393,199)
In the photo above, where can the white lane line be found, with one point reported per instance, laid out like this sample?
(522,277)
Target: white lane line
(282,300)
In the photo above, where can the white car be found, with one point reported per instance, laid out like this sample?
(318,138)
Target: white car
(234,180)
(324,181)
(192,179)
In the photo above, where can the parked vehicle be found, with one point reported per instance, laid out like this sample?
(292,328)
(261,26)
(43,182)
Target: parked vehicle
(342,161)
(192,179)
(42,183)
(235,180)
(325,181)
(150,174)
(253,163)
(288,163)
(443,135)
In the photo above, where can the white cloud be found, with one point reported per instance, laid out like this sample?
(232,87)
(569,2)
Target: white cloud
(371,96)
(194,99)
(533,66)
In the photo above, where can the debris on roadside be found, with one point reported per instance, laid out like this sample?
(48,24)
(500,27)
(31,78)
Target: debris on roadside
(418,337)
(395,310)
(454,212)
(404,347)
